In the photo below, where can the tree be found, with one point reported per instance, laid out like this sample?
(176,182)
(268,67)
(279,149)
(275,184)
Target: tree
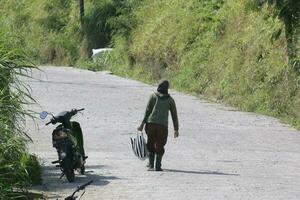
(81,10)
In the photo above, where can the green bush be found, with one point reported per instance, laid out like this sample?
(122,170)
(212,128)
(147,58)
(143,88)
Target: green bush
(15,163)
(34,169)
(55,34)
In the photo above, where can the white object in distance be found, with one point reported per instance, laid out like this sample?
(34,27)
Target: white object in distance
(102,50)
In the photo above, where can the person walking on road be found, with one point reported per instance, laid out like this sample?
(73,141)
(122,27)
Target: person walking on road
(156,121)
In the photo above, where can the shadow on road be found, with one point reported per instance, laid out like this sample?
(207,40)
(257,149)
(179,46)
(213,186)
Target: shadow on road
(95,166)
(52,167)
(53,183)
(88,168)
(200,172)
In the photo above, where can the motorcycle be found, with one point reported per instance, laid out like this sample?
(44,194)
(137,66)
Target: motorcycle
(70,155)
(82,187)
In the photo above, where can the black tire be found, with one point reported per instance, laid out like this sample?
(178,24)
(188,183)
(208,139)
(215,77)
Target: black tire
(70,175)
(67,165)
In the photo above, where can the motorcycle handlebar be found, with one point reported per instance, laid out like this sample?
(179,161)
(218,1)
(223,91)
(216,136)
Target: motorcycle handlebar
(52,121)
(48,123)
(84,185)
(75,111)
(80,110)
(71,113)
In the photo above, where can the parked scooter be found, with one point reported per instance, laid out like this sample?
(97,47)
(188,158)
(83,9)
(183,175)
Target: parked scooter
(65,139)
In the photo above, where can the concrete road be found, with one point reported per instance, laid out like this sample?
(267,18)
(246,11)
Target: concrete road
(221,153)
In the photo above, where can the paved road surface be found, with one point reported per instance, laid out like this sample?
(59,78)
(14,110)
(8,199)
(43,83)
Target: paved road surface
(220,154)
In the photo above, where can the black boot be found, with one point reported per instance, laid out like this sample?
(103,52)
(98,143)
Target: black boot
(158,163)
(151,161)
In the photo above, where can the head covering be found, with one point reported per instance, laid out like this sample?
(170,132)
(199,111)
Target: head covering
(163,87)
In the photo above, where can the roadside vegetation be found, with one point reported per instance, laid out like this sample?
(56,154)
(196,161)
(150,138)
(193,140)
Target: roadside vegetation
(244,53)
(18,169)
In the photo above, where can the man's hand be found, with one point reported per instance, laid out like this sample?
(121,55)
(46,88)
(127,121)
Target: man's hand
(176,134)
(141,127)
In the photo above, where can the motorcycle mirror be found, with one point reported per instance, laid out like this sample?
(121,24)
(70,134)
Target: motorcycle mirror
(43,114)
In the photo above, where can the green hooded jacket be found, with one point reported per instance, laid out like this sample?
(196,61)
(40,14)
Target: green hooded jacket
(158,108)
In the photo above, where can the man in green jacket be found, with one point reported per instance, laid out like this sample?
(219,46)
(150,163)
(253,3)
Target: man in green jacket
(156,120)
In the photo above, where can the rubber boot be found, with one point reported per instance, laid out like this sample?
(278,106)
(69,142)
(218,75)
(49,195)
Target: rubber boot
(151,161)
(158,163)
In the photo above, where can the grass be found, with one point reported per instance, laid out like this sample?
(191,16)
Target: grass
(241,52)
(18,169)
(224,50)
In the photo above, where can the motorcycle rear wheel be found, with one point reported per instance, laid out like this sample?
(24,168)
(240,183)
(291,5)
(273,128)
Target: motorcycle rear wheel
(68,169)
(70,175)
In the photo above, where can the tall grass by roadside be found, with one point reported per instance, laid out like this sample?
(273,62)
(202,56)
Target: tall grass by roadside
(18,169)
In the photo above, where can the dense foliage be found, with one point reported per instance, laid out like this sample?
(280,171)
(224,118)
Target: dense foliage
(242,52)
(51,30)
(18,168)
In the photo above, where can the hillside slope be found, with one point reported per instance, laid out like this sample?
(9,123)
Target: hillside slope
(234,51)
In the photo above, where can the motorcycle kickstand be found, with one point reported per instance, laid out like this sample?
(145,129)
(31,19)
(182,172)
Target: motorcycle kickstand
(62,175)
